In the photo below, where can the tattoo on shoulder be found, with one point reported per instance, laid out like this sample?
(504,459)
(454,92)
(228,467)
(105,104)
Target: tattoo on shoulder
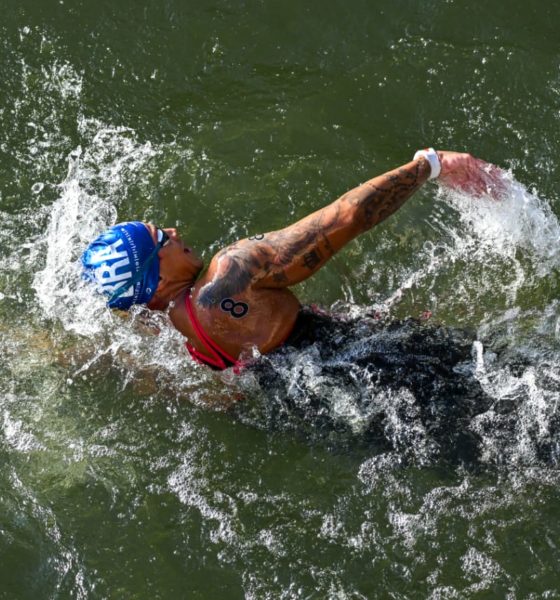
(239,266)
(237,275)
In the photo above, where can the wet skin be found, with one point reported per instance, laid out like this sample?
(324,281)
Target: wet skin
(242,301)
(265,324)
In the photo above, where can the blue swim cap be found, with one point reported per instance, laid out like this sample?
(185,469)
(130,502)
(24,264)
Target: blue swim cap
(123,262)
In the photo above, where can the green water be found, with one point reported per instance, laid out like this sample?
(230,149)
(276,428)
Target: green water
(225,119)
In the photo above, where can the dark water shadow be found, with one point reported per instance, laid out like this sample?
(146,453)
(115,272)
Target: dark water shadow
(407,387)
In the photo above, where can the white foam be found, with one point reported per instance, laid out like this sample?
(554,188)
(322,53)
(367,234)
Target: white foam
(520,220)
(503,244)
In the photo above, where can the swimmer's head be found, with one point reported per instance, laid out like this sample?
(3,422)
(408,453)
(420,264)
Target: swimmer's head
(123,262)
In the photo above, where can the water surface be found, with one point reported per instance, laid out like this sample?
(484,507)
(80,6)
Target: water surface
(122,474)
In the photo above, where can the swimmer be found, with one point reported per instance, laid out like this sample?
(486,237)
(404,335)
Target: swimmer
(243,300)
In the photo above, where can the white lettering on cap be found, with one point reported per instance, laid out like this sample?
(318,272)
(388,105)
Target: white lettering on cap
(109,252)
(106,274)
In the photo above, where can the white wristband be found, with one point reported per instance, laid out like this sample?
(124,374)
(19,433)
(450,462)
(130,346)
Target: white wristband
(431,156)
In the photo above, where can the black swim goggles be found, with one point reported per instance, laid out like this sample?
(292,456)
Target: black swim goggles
(162,239)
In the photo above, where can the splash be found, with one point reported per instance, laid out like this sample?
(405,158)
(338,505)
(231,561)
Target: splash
(386,382)
(76,217)
(485,250)
(519,222)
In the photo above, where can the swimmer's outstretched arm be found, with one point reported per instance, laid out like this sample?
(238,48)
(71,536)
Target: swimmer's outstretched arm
(290,255)
(303,248)
(286,257)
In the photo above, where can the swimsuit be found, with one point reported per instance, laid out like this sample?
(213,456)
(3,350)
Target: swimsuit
(396,385)
(219,359)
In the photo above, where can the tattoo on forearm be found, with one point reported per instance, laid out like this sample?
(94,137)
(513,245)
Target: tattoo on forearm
(312,259)
(280,277)
(384,199)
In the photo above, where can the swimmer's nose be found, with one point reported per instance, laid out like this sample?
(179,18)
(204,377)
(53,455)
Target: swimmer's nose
(172,233)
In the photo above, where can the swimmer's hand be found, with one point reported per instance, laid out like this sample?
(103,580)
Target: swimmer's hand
(463,172)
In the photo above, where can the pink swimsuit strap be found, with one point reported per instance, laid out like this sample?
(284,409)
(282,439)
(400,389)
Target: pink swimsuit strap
(218,356)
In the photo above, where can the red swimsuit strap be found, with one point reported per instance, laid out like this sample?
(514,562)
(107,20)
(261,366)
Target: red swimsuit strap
(217,354)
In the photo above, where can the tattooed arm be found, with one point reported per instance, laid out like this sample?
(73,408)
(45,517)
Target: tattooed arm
(296,252)
(286,257)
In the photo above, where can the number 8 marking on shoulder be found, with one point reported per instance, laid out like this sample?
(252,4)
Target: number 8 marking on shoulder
(236,309)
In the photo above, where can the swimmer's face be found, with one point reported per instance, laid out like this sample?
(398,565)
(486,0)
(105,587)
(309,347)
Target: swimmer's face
(177,262)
